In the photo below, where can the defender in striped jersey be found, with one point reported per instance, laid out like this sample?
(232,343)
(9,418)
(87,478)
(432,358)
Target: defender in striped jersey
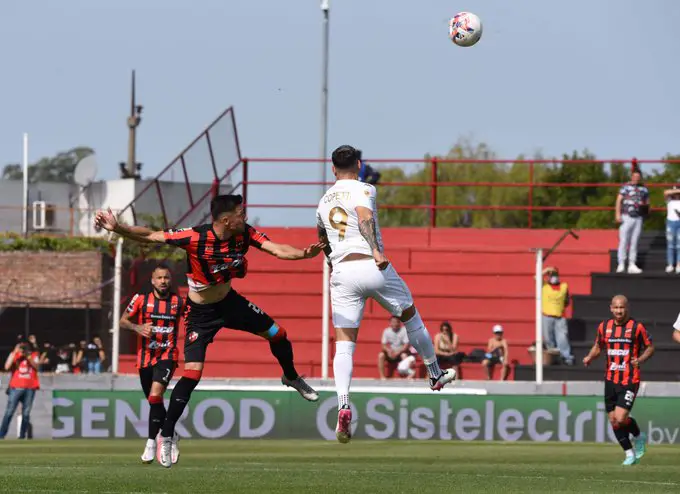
(628,346)
(155,317)
(215,255)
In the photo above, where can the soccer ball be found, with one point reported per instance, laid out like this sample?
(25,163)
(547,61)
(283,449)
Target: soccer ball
(465,29)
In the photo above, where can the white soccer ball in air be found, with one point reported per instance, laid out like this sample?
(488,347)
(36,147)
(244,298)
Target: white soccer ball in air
(465,29)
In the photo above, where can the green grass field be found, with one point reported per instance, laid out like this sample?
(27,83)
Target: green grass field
(279,466)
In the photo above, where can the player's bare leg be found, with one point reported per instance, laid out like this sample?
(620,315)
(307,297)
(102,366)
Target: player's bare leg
(421,340)
(179,398)
(624,426)
(343,364)
(156,419)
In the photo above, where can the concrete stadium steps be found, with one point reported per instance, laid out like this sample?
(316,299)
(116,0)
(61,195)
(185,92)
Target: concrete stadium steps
(650,261)
(470,277)
(496,261)
(638,285)
(648,308)
(444,281)
(477,261)
(284,304)
(592,373)
(665,357)
(585,330)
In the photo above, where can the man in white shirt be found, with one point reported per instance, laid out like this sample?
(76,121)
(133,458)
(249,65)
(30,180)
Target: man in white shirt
(394,345)
(676,327)
(347,222)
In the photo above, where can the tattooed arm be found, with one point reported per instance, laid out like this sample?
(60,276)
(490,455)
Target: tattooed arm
(323,238)
(368,231)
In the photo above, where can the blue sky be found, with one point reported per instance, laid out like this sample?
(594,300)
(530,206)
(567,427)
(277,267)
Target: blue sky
(546,76)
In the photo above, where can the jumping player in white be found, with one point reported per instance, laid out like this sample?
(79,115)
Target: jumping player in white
(347,223)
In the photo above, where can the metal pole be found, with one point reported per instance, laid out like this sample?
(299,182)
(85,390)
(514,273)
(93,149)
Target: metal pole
(326,298)
(539,316)
(24,220)
(117,275)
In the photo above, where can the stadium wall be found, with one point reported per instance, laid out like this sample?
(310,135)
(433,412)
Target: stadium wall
(51,279)
(107,406)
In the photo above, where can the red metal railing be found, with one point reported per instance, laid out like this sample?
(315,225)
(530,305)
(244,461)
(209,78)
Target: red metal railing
(434,184)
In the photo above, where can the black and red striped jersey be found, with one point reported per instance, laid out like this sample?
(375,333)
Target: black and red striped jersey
(622,344)
(164,315)
(211,261)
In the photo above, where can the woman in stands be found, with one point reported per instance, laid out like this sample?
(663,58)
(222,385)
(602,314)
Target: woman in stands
(446,346)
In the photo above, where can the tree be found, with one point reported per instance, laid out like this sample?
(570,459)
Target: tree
(499,198)
(57,168)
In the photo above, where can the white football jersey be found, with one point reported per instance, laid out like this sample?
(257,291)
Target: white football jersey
(337,213)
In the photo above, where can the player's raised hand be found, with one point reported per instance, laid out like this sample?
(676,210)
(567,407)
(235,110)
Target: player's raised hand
(314,250)
(381,260)
(106,220)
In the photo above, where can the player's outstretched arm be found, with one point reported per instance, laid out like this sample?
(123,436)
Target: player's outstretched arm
(290,253)
(368,230)
(323,238)
(108,221)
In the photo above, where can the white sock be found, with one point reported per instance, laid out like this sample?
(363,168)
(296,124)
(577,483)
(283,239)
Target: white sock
(421,340)
(342,370)
(630,452)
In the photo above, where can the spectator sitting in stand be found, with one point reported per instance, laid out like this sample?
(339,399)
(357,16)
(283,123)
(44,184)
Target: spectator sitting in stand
(395,346)
(497,353)
(64,360)
(672,197)
(446,346)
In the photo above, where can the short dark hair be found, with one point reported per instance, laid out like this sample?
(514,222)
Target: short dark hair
(345,157)
(224,204)
(161,265)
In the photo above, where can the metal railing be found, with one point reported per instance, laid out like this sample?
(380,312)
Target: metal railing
(434,169)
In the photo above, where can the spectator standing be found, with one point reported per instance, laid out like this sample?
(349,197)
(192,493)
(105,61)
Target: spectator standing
(395,345)
(555,299)
(632,205)
(22,387)
(48,358)
(672,197)
(94,356)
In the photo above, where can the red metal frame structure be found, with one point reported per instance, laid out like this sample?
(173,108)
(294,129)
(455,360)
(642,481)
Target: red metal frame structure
(221,166)
(434,184)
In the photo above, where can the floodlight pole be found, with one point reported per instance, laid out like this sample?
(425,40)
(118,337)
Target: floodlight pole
(325,305)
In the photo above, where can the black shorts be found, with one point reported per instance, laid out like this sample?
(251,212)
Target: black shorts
(203,322)
(617,395)
(161,372)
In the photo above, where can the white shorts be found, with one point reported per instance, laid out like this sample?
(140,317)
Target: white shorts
(352,282)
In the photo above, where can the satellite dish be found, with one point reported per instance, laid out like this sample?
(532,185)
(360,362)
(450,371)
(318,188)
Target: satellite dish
(85,171)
